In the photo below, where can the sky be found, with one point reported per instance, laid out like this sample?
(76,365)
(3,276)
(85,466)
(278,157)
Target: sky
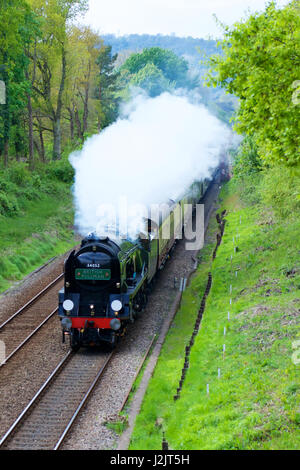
(180,17)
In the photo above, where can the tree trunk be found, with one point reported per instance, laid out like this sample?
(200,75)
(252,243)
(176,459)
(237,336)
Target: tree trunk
(86,102)
(56,140)
(40,147)
(56,121)
(78,125)
(71,114)
(30,133)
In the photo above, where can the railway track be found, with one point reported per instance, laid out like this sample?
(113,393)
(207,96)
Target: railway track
(48,418)
(20,327)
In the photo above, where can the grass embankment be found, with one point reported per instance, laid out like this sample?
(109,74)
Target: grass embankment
(253,405)
(36,218)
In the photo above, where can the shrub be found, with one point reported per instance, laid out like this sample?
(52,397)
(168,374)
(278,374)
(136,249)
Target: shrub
(280,189)
(19,174)
(5,185)
(8,205)
(61,170)
(246,159)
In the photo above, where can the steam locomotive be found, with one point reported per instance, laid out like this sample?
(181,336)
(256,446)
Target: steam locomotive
(107,282)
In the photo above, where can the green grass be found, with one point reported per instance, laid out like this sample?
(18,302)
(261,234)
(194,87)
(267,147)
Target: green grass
(255,403)
(36,216)
(43,229)
(117,426)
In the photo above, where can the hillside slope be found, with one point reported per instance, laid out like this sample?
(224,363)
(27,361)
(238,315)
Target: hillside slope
(254,403)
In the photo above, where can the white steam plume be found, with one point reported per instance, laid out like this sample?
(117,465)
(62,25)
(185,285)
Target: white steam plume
(149,155)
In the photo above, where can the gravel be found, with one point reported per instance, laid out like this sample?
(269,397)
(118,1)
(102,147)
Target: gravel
(25,373)
(89,431)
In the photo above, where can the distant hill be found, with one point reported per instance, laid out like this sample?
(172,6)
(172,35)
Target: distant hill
(181,46)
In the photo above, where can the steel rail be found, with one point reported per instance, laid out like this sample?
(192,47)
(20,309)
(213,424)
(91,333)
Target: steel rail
(29,337)
(83,402)
(11,430)
(30,302)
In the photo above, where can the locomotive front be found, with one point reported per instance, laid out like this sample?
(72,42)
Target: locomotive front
(92,307)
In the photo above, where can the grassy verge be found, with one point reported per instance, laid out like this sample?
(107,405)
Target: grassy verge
(36,219)
(253,405)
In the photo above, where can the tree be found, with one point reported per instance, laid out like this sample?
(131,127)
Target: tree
(81,74)
(17,28)
(51,59)
(105,93)
(151,79)
(172,67)
(260,63)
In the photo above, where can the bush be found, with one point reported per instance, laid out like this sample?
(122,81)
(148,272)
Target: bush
(276,188)
(246,159)
(61,170)
(280,189)
(5,185)
(8,206)
(19,174)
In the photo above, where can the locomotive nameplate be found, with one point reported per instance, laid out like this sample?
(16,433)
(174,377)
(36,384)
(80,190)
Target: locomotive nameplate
(93,274)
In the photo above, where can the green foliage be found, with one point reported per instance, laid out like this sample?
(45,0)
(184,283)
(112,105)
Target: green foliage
(36,217)
(280,189)
(117,426)
(276,188)
(28,240)
(107,86)
(19,174)
(218,102)
(152,80)
(173,68)
(254,404)
(18,184)
(61,170)
(8,205)
(17,29)
(156,70)
(260,63)
(246,159)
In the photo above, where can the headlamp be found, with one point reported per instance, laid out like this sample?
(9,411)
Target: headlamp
(116,305)
(68,305)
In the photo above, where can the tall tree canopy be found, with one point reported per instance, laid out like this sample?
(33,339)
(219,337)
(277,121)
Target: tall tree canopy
(157,70)
(51,61)
(106,88)
(260,64)
(17,27)
(60,79)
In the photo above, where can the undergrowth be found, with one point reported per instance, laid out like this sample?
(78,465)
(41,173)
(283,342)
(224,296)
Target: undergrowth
(36,217)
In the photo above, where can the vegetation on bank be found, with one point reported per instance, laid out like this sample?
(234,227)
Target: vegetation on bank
(254,404)
(36,217)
